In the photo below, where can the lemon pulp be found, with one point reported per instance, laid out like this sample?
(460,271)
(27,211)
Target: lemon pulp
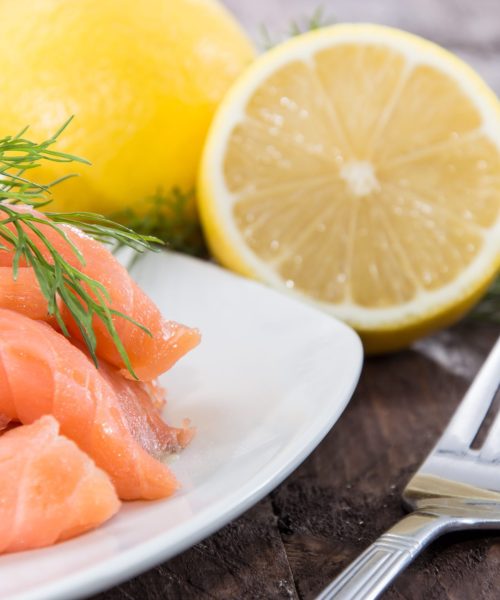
(359,167)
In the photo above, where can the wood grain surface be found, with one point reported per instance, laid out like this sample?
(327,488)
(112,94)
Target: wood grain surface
(348,491)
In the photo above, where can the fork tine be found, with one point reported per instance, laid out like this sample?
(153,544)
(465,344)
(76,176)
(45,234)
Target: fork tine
(466,421)
(490,450)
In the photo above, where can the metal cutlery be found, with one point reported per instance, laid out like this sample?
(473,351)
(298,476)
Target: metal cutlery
(457,487)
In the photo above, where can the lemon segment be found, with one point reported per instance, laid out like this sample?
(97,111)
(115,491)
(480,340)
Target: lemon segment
(358,167)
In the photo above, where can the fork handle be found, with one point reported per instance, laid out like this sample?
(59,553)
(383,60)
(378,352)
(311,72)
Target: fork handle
(380,563)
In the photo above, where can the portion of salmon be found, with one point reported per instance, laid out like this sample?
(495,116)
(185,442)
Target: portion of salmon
(141,404)
(50,490)
(23,293)
(150,355)
(4,421)
(41,373)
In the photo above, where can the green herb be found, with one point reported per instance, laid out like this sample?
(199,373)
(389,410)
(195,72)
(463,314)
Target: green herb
(489,307)
(169,217)
(18,155)
(316,20)
(20,232)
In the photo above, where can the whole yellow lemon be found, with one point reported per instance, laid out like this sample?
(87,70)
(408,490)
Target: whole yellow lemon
(142,78)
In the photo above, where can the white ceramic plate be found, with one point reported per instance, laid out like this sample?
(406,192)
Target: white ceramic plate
(268,381)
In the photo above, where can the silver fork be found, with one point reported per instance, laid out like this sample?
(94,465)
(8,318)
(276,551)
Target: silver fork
(456,487)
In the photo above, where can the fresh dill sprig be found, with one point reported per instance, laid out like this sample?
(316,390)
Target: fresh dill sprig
(22,232)
(316,20)
(266,39)
(169,217)
(106,230)
(489,307)
(18,155)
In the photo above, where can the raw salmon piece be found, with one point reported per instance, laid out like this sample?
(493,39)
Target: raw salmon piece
(4,421)
(41,373)
(139,402)
(50,489)
(157,393)
(22,294)
(149,355)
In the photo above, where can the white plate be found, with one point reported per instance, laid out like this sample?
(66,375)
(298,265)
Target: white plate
(268,381)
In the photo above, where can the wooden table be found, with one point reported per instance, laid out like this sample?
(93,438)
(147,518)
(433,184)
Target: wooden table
(348,491)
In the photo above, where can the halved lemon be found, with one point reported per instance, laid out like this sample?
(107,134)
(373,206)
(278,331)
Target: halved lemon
(358,167)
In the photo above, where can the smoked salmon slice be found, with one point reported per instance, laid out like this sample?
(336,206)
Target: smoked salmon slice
(141,404)
(23,293)
(4,421)
(41,373)
(150,355)
(50,489)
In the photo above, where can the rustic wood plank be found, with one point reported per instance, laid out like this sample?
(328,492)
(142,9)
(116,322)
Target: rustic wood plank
(246,559)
